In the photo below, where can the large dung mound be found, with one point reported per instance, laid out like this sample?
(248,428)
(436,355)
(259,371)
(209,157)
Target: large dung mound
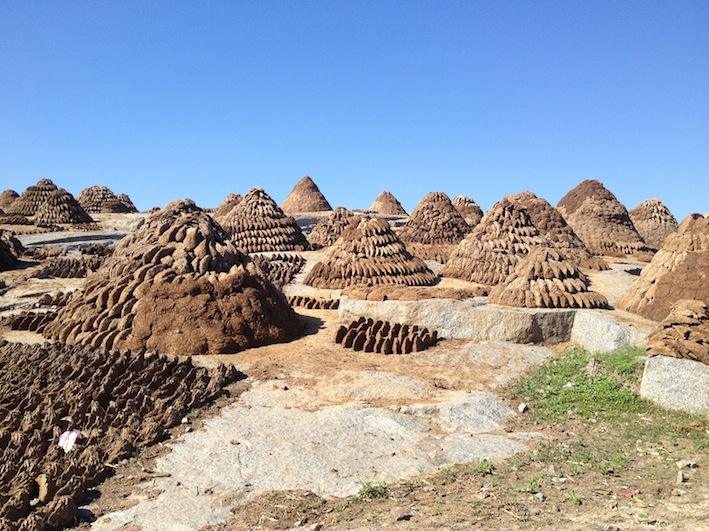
(684,333)
(369,254)
(330,228)
(680,270)
(654,222)
(61,207)
(600,220)
(305,197)
(386,203)
(177,286)
(492,250)
(7,198)
(115,403)
(32,198)
(469,209)
(257,224)
(434,221)
(10,250)
(545,279)
(229,203)
(100,199)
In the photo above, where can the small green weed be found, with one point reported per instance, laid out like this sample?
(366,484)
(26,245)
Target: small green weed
(573,498)
(482,468)
(370,490)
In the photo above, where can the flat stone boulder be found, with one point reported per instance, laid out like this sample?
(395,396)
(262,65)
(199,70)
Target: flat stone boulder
(596,332)
(676,383)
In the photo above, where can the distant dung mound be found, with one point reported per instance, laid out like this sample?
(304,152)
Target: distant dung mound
(7,198)
(684,333)
(369,254)
(126,202)
(305,197)
(32,198)
(386,203)
(330,228)
(100,199)
(679,270)
(61,207)
(178,286)
(469,209)
(654,222)
(229,203)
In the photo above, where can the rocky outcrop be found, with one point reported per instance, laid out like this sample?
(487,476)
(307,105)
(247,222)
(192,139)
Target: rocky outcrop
(305,197)
(680,270)
(469,209)
(384,338)
(654,222)
(60,207)
(684,333)
(386,203)
(330,228)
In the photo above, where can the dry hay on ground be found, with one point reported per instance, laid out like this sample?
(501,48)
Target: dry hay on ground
(469,209)
(327,231)
(545,279)
(31,199)
(257,224)
(279,269)
(680,270)
(384,337)
(119,402)
(369,254)
(61,207)
(386,203)
(601,221)
(100,199)
(305,197)
(653,221)
(7,197)
(229,203)
(492,250)
(177,286)
(684,333)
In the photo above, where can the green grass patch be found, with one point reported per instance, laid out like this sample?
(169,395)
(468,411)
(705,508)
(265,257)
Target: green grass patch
(370,490)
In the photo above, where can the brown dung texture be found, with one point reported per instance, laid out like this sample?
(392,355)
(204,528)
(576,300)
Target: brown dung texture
(369,254)
(178,286)
(126,202)
(10,250)
(679,270)
(386,203)
(32,198)
(492,250)
(469,209)
(229,203)
(654,222)
(305,197)
(684,333)
(434,221)
(330,228)
(100,199)
(257,224)
(384,337)
(61,207)
(600,220)
(545,279)
(7,198)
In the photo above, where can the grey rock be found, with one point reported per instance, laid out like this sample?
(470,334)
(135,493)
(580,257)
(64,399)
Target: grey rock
(676,383)
(596,332)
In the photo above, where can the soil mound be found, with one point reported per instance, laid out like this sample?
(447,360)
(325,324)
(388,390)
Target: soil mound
(684,333)
(229,203)
(61,207)
(178,286)
(384,337)
(112,403)
(469,209)
(100,199)
(600,220)
(7,198)
(386,203)
(330,228)
(369,254)
(545,279)
(492,250)
(31,199)
(257,224)
(653,221)
(680,270)
(305,197)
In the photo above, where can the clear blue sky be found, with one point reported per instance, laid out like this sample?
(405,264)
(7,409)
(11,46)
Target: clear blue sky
(170,99)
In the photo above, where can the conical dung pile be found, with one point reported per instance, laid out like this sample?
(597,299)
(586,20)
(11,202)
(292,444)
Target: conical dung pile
(178,286)
(229,203)
(653,221)
(32,198)
(551,225)
(492,250)
(100,199)
(61,207)
(369,254)
(126,202)
(680,270)
(434,221)
(7,198)
(305,197)
(330,228)
(469,209)
(386,203)
(257,224)
(600,220)
(684,333)
(545,279)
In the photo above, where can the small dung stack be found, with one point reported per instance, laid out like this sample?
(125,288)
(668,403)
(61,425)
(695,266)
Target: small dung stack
(383,337)
(7,198)
(601,221)
(178,286)
(545,279)
(386,203)
(61,207)
(492,250)
(684,333)
(100,199)
(229,203)
(679,270)
(330,228)
(469,209)
(257,224)
(32,198)
(305,197)
(313,303)
(369,254)
(280,269)
(654,222)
